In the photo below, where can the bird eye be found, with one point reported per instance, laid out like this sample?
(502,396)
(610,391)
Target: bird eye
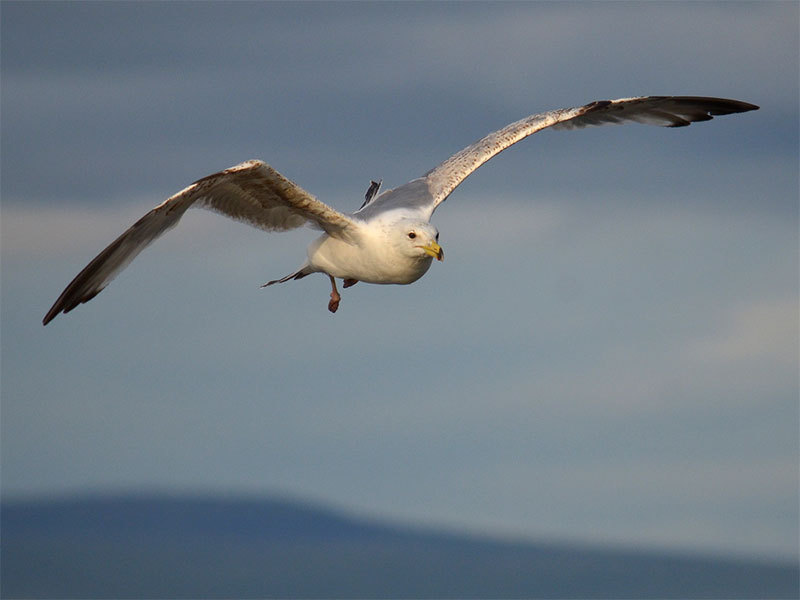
(411,235)
(437,236)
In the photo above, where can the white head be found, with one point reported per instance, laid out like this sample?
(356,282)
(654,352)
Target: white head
(417,239)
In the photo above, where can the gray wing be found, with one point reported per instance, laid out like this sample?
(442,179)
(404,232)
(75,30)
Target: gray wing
(426,193)
(252,192)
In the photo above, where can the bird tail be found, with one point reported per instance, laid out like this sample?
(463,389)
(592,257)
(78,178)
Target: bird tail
(299,274)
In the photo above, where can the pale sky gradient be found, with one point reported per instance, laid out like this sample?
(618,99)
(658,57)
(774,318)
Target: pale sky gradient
(608,353)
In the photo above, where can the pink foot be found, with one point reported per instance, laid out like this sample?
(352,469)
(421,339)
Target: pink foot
(333,305)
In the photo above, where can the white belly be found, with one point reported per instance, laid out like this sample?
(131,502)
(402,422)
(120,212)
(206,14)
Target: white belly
(367,263)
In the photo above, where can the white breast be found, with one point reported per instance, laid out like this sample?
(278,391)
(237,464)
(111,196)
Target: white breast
(371,261)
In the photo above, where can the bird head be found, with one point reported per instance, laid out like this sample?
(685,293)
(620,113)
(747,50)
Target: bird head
(419,239)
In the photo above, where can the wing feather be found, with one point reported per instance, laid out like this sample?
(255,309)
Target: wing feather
(257,194)
(252,192)
(665,111)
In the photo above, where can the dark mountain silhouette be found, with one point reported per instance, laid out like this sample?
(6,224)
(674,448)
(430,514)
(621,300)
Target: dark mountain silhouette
(194,547)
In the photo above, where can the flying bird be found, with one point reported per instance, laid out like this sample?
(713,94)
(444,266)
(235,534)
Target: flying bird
(390,239)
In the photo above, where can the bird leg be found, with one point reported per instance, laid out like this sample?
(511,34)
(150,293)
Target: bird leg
(333,305)
(349,283)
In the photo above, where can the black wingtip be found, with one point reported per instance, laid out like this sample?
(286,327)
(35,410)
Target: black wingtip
(718,106)
(66,303)
(57,309)
(54,311)
(728,107)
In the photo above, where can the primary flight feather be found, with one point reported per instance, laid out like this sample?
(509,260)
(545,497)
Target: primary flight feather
(390,238)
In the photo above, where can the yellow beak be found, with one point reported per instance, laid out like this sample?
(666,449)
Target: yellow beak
(434,249)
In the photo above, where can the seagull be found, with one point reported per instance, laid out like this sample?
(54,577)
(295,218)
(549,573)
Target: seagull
(389,239)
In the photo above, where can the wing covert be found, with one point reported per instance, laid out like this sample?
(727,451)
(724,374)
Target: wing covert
(255,193)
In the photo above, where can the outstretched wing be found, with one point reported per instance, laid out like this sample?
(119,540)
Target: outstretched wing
(426,193)
(252,192)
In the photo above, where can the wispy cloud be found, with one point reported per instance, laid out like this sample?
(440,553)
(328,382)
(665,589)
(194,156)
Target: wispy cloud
(764,331)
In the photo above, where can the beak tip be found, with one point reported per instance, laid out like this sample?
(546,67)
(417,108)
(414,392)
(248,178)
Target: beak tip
(433,250)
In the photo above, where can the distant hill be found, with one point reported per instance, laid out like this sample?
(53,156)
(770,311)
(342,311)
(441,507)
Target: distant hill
(187,547)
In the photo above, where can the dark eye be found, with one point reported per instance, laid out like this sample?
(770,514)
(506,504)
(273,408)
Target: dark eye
(437,236)
(412,235)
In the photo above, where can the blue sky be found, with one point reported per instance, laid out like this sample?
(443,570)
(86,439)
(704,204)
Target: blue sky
(608,352)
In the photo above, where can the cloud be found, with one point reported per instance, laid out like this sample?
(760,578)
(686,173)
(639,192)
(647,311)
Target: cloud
(322,114)
(41,232)
(44,232)
(765,331)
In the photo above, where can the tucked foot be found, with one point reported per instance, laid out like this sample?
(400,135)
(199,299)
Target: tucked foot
(349,283)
